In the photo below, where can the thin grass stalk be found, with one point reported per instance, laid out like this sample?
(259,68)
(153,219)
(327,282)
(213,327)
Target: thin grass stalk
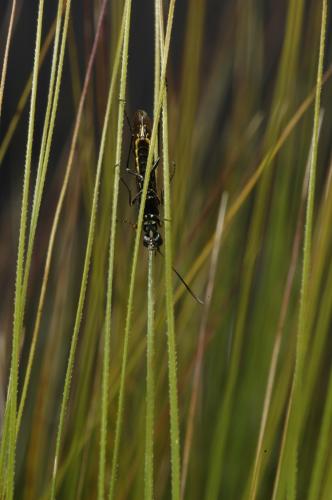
(122,44)
(279,333)
(188,100)
(224,412)
(318,300)
(172,362)
(118,425)
(24,96)
(58,212)
(52,104)
(123,84)
(49,107)
(314,353)
(11,404)
(80,306)
(157,68)
(282,448)
(150,386)
(292,434)
(322,451)
(77,447)
(4,448)
(320,252)
(150,383)
(73,453)
(84,282)
(202,342)
(252,182)
(5,57)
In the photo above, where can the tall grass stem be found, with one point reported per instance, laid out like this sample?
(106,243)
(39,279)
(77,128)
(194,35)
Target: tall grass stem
(122,47)
(11,404)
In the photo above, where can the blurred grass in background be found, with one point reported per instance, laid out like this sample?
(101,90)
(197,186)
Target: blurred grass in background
(241,90)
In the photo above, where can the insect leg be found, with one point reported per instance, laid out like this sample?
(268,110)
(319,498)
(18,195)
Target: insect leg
(137,195)
(155,165)
(128,189)
(136,174)
(129,151)
(132,172)
(140,176)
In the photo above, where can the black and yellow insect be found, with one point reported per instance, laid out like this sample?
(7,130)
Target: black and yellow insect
(151,221)
(140,145)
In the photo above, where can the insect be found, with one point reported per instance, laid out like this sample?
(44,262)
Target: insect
(141,136)
(140,145)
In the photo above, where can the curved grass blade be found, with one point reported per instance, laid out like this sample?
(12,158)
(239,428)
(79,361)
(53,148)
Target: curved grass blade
(11,404)
(5,57)
(51,110)
(119,417)
(291,431)
(57,218)
(150,384)
(201,342)
(24,96)
(84,281)
(279,334)
(122,44)
(172,361)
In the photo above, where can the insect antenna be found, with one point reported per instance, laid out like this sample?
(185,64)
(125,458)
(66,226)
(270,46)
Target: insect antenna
(194,296)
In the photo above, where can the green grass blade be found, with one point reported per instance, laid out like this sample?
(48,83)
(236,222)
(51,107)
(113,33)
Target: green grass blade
(57,218)
(172,361)
(18,313)
(150,383)
(149,426)
(201,343)
(108,318)
(24,97)
(119,417)
(51,110)
(87,260)
(292,425)
(5,57)
(322,451)
(123,82)
(280,332)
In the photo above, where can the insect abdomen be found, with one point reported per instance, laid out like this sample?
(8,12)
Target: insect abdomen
(142,152)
